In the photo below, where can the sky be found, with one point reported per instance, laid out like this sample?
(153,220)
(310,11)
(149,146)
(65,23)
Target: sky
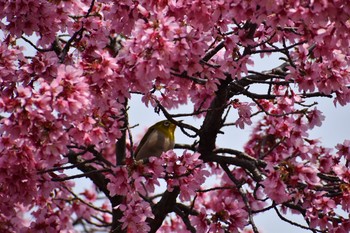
(335,129)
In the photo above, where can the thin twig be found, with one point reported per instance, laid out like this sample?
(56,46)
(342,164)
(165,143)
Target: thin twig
(86,174)
(293,223)
(35,47)
(181,125)
(86,203)
(282,50)
(65,167)
(186,76)
(243,195)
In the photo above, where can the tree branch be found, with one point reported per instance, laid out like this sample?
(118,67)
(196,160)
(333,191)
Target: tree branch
(121,143)
(181,125)
(85,174)
(185,219)
(213,51)
(243,195)
(35,47)
(213,120)
(241,155)
(101,182)
(186,76)
(293,223)
(162,208)
(283,50)
(246,164)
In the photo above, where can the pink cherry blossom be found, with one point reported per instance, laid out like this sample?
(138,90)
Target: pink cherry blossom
(135,213)
(275,188)
(344,149)
(244,113)
(119,182)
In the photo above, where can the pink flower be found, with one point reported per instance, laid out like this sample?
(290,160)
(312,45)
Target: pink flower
(73,91)
(342,172)
(244,113)
(344,149)
(201,220)
(315,118)
(71,86)
(324,204)
(307,174)
(275,188)
(118,184)
(89,194)
(186,172)
(135,214)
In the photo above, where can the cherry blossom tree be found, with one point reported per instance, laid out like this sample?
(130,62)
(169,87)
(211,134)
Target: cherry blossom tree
(66,106)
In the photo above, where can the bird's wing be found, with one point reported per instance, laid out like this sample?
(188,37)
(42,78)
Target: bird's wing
(147,139)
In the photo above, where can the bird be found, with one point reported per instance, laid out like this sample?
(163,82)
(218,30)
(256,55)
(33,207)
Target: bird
(158,139)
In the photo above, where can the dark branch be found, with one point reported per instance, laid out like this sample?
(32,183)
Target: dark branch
(212,52)
(162,208)
(69,43)
(213,120)
(283,50)
(121,143)
(186,76)
(251,166)
(240,155)
(294,223)
(98,178)
(181,125)
(185,219)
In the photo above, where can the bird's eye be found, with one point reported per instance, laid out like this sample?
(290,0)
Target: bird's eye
(166,123)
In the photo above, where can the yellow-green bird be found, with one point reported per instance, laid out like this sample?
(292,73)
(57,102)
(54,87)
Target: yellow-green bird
(158,139)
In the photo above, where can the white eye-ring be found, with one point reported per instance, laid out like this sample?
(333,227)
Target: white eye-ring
(166,123)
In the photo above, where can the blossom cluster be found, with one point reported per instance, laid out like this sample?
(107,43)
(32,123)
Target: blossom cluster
(137,181)
(295,163)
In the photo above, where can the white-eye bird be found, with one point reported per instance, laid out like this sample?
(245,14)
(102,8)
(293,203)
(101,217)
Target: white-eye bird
(158,139)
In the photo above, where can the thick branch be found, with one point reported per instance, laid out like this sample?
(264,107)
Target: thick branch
(192,78)
(241,155)
(251,166)
(121,143)
(162,208)
(213,120)
(185,219)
